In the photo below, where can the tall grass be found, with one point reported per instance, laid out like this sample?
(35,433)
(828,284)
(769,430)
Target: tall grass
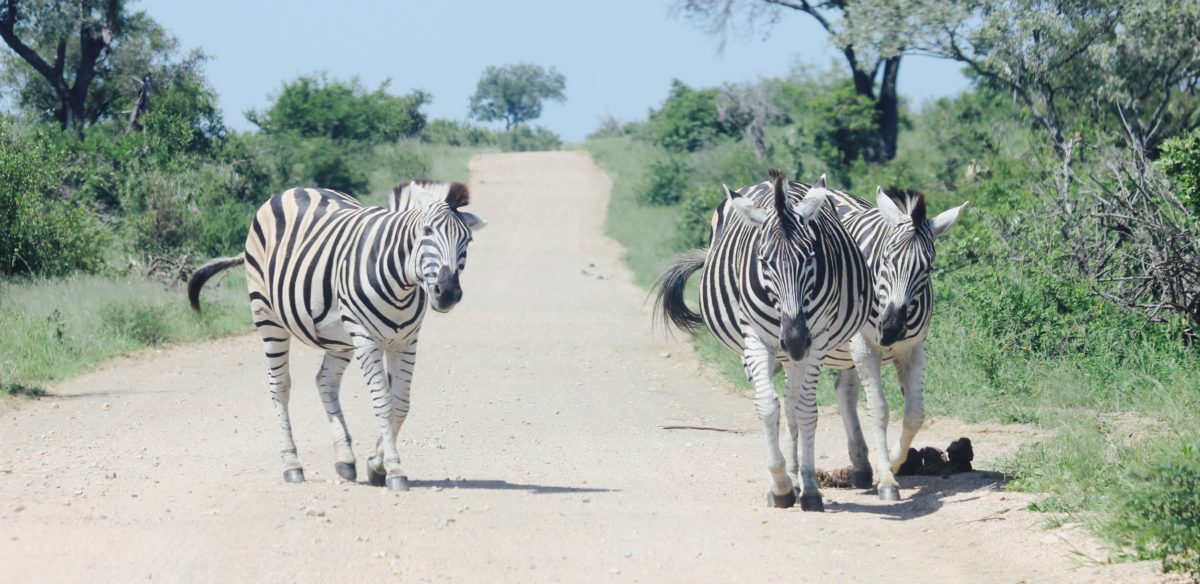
(52,329)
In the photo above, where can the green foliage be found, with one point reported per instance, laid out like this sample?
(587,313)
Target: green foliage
(525,139)
(668,177)
(320,162)
(514,93)
(1159,515)
(41,232)
(455,133)
(320,108)
(734,164)
(687,120)
(146,325)
(843,126)
(1180,161)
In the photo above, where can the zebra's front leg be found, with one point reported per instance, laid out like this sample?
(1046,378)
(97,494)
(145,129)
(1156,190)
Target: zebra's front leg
(329,384)
(866,363)
(370,355)
(847,396)
(910,369)
(400,366)
(802,400)
(758,361)
(276,343)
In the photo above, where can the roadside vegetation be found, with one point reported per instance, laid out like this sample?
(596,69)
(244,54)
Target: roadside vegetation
(119,175)
(1067,296)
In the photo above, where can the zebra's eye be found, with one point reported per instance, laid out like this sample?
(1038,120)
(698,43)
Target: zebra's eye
(428,230)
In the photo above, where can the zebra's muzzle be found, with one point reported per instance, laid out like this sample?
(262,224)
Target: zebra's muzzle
(795,339)
(446,291)
(893,323)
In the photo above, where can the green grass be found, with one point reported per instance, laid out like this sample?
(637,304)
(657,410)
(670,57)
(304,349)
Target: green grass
(52,329)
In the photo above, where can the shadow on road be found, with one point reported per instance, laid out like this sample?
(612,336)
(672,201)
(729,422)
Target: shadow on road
(497,485)
(922,495)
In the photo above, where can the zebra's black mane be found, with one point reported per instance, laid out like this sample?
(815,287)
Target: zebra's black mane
(912,203)
(787,219)
(454,193)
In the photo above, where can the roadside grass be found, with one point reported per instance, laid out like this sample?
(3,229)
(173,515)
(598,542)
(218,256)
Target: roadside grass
(53,329)
(1122,404)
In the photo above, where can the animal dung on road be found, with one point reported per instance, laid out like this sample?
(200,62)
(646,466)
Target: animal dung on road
(931,461)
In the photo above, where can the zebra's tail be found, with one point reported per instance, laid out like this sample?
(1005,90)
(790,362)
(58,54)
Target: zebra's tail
(203,273)
(670,306)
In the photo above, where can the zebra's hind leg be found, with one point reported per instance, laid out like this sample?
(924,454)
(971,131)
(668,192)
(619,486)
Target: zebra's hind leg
(759,361)
(866,364)
(370,356)
(329,384)
(276,343)
(802,400)
(847,396)
(910,369)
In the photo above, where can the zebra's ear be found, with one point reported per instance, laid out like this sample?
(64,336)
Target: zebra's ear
(813,200)
(945,220)
(887,208)
(745,208)
(474,222)
(421,195)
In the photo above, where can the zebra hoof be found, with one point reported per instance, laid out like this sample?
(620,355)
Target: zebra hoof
(294,475)
(861,479)
(346,470)
(889,493)
(375,479)
(399,483)
(812,502)
(782,501)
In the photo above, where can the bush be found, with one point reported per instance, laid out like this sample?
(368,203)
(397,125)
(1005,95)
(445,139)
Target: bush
(320,162)
(1159,515)
(454,133)
(668,177)
(1180,161)
(316,107)
(525,139)
(40,232)
(688,119)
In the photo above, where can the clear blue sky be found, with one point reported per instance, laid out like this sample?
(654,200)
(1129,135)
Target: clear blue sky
(619,56)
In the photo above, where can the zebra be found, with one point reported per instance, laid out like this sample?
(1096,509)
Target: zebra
(353,281)
(897,241)
(783,284)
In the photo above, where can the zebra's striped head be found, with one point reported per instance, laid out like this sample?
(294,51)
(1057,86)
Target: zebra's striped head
(903,287)
(785,256)
(443,233)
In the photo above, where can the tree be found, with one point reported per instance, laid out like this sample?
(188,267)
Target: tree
(514,93)
(316,107)
(872,50)
(79,35)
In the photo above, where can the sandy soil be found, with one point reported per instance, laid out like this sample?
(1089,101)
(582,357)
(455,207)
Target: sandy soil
(536,446)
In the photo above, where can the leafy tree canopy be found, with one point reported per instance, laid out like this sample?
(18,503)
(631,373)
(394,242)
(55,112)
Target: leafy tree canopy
(514,93)
(317,107)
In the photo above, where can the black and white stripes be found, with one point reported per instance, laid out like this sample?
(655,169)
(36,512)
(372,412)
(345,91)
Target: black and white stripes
(354,281)
(783,284)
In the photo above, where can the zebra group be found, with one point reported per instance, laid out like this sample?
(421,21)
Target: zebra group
(799,278)
(796,277)
(353,281)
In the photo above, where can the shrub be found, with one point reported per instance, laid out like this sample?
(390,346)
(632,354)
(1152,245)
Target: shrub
(688,119)
(525,139)
(41,233)
(667,178)
(1180,161)
(317,107)
(454,133)
(320,162)
(1159,515)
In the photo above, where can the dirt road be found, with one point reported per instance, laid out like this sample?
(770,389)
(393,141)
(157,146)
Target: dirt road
(536,447)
